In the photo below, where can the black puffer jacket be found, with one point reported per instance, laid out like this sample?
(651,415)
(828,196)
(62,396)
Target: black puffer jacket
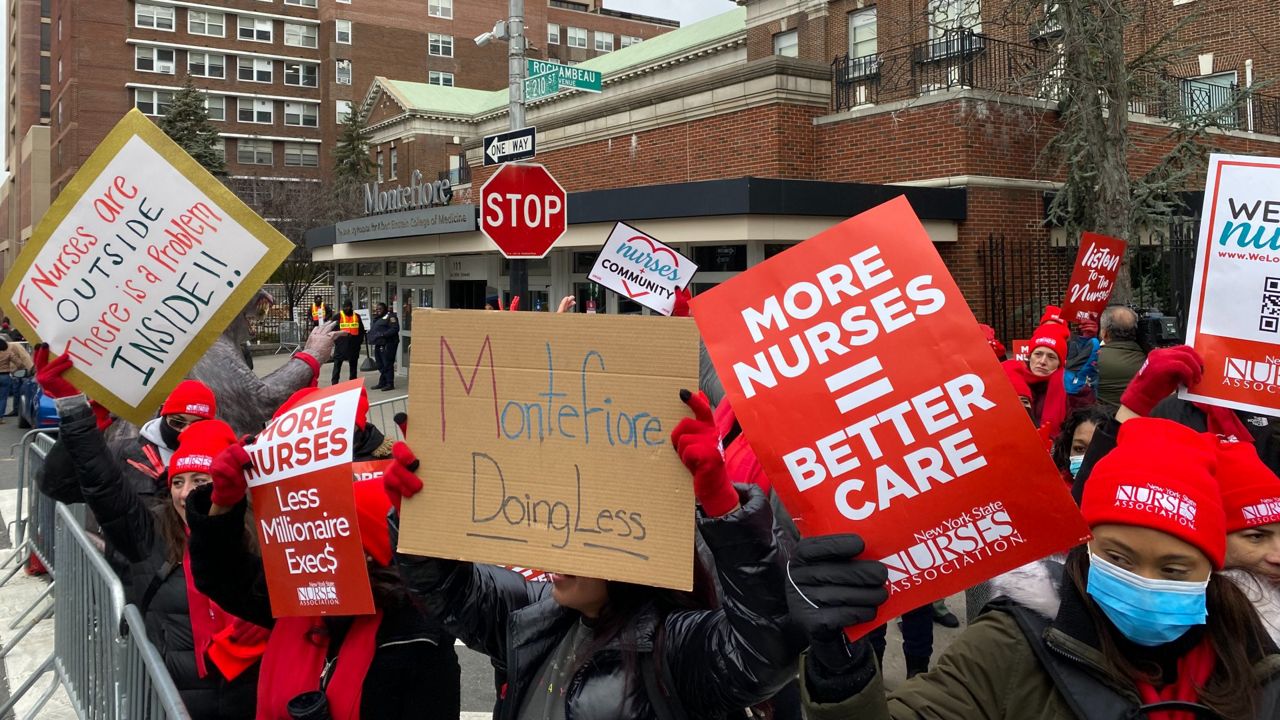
(152,581)
(1264,428)
(720,661)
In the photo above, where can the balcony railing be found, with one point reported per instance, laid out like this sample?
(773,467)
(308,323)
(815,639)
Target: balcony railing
(963,59)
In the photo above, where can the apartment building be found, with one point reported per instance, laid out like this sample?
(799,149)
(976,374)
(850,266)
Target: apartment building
(279,75)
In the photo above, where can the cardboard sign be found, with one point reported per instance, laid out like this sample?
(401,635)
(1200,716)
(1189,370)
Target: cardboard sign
(137,267)
(1097,265)
(1234,321)
(875,408)
(638,266)
(305,509)
(546,439)
(1022,350)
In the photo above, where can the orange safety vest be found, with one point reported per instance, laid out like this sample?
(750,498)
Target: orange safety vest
(317,312)
(349,323)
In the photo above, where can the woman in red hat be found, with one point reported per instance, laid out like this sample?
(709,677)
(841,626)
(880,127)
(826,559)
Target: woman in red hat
(1137,625)
(1041,376)
(1251,499)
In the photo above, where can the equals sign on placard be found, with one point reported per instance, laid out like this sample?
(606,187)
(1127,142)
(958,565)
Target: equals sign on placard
(864,388)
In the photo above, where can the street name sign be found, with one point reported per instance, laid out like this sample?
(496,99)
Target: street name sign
(537,87)
(568,76)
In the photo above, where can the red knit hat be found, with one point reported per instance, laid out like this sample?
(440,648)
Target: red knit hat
(1052,336)
(1250,491)
(1052,314)
(1160,476)
(198,445)
(191,397)
(372,505)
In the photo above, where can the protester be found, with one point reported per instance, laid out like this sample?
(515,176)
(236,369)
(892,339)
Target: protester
(605,649)
(1137,618)
(346,348)
(10,330)
(1120,356)
(1041,376)
(385,338)
(1073,440)
(1251,499)
(1080,366)
(319,312)
(15,363)
(181,622)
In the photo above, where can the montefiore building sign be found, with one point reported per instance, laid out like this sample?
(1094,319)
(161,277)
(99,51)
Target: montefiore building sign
(416,195)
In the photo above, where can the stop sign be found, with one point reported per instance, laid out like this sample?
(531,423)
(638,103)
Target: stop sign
(522,210)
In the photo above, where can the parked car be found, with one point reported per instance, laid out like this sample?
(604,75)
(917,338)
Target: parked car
(35,409)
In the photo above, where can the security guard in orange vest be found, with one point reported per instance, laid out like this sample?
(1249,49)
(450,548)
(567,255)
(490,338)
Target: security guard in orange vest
(319,311)
(347,346)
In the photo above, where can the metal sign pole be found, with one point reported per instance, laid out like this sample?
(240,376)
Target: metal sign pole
(519,269)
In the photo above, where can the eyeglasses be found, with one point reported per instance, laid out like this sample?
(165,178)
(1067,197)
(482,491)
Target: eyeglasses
(179,422)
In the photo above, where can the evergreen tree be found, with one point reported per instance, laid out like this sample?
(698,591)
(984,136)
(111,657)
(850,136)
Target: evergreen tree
(351,162)
(187,122)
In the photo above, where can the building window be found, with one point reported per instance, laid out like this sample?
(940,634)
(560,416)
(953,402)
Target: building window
(219,148)
(200,22)
(301,114)
(455,169)
(296,35)
(440,45)
(153,16)
(343,108)
(152,59)
(44,70)
(216,106)
(45,101)
(948,15)
(553,34)
(59,69)
(577,37)
(435,77)
(862,33)
(301,3)
(301,74)
(343,28)
(209,65)
(440,8)
(253,110)
(342,72)
(604,41)
(395,162)
(254,29)
(301,155)
(787,44)
(629,40)
(254,69)
(378,163)
(254,152)
(1211,97)
(153,102)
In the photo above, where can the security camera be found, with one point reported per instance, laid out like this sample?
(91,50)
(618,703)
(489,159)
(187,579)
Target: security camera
(484,39)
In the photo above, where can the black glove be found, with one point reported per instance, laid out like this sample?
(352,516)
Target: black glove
(829,590)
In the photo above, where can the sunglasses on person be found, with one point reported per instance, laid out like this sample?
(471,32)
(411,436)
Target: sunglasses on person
(180,422)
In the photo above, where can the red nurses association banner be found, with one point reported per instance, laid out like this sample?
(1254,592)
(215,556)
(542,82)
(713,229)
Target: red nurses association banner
(305,508)
(875,408)
(1094,278)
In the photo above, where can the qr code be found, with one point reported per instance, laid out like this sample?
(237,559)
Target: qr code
(1269,320)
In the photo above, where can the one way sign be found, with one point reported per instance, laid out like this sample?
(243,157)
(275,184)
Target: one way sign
(510,146)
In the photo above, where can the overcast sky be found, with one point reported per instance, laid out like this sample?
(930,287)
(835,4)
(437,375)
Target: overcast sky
(686,11)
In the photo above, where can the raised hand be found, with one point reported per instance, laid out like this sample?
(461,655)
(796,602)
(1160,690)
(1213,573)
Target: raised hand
(698,445)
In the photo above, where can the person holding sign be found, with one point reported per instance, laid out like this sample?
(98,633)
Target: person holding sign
(1138,620)
(590,648)
(210,655)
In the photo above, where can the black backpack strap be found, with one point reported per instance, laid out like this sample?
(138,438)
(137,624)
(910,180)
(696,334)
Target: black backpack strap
(663,706)
(154,586)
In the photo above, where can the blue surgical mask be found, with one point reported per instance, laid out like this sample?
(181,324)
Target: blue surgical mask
(1148,612)
(1074,464)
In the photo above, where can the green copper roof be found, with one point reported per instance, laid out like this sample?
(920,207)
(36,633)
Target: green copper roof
(438,99)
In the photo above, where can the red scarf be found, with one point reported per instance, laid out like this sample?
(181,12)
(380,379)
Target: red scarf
(207,619)
(295,660)
(1224,422)
(1194,670)
(1054,409)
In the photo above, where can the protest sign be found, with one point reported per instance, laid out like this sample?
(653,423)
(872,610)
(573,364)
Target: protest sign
(638,266)
(874,407)
(546,441)
(305,508)
(1234,321)
(1097,265)
(137,267)
(1022,350)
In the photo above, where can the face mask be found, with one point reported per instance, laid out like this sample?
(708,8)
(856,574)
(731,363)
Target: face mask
(169,435)
(1148,612)
(1075,463)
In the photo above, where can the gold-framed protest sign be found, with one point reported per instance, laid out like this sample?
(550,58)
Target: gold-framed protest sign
(139,264)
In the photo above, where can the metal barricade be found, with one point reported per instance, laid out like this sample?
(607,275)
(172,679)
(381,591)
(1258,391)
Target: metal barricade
(33,522)
(290,336)
(147,690)
(383,414)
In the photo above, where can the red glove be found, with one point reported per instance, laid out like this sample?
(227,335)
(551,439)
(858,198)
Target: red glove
(402,421)
(399,478)
(229,484)
(681,308)
(49,374)
(1160,376)
(698,445)
(1088,328)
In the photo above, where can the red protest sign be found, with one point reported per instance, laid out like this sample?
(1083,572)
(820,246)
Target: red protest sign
(1097,265)
(305,508)
(874,407)
(1022,350)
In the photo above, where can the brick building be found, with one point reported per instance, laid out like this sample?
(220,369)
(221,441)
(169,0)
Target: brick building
(279,74)
(866,98)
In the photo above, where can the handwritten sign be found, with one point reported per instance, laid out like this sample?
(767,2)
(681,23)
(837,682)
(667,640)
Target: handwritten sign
(1234,321)
(1022,350)
(138,266)
(305,508)
(875,408)
(638,266)
(546,439)
(1097,265)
